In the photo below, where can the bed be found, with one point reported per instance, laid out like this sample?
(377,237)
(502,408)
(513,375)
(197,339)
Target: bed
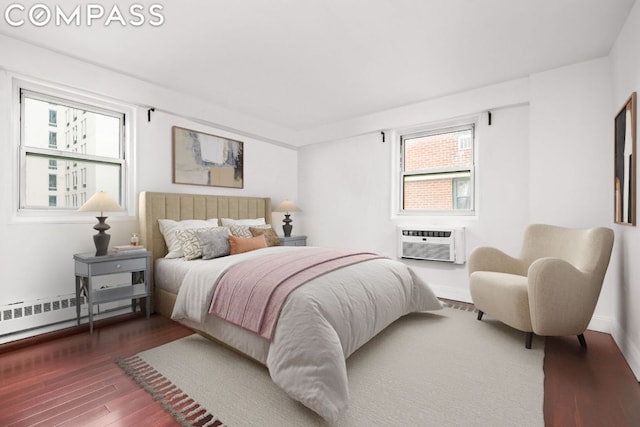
(320,324)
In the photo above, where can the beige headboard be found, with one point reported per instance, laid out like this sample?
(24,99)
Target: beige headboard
(178,206)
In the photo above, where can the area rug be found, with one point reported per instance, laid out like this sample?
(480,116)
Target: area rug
(427,369)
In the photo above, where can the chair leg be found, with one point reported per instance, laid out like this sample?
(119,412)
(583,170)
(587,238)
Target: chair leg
(583,343)
(528,340)
(480,313)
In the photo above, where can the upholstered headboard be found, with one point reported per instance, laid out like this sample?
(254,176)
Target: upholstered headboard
(177,206)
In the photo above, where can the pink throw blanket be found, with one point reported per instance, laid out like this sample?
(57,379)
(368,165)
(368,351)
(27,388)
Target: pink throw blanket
(251,294)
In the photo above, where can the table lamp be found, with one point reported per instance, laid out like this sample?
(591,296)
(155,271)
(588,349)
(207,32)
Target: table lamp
(287,206)
(101,202)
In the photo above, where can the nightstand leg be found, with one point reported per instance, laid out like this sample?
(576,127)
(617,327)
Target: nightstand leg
(78,289)
(90,303)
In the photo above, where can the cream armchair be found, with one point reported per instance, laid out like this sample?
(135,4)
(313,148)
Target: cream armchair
(551,289)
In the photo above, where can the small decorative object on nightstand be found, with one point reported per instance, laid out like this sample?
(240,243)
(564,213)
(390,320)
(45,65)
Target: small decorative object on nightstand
(293,241)
(287,206)
(88,266)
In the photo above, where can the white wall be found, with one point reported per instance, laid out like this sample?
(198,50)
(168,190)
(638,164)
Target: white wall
(37,256)
(571,157)
(625,66)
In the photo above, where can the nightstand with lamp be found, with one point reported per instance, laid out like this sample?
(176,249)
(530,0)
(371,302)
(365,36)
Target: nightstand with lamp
(287,206)
(89,266)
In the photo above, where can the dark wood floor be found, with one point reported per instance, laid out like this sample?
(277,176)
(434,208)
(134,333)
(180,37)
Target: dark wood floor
(72,380)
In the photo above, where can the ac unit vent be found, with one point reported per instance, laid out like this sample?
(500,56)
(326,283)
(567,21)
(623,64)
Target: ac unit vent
(435,251)
(432,244)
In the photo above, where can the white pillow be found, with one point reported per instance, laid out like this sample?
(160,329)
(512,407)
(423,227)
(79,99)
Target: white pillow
(168,229)
(228,221)
(243,230)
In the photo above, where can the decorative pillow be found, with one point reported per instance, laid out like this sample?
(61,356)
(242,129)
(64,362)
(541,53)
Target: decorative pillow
(245,244)
(191,247)
(168,228)
(269,234)
(243,230)
(214,243)
(252,222)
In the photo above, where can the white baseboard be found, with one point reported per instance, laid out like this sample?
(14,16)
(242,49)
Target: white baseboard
(600,324)
(629,350)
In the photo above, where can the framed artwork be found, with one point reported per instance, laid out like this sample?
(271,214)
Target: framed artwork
(625,163)
(203,159)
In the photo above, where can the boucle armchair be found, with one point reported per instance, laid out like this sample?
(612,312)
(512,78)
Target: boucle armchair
(551,289)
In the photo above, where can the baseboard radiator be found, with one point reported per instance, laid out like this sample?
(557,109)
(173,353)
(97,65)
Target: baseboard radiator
(25,315)
(432,244)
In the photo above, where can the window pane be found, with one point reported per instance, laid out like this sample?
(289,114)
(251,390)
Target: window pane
(461,193)
(437,191)
(42,182)
(444,150)
(102,132)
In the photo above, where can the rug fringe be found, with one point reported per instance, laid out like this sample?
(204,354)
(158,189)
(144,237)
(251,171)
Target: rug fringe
(183,409)
(458,305)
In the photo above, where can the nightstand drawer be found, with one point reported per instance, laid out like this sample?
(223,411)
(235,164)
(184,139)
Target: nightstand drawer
(111,267)
(293,241)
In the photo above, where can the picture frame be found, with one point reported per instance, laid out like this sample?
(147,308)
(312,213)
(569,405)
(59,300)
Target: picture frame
(200,158)
(625,163)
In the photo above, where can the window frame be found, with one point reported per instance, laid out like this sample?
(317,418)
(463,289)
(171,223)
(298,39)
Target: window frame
(82,101)
(399,175)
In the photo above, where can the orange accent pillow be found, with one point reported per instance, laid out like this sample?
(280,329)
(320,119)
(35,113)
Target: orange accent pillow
(239,245)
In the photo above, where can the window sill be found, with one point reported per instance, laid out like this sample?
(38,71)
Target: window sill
(435,214)
(32,216)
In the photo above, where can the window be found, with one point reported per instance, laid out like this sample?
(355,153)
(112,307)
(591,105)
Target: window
(437,170)
(53,140)
(53,117)
(101,159)
(53,201)
(53,182)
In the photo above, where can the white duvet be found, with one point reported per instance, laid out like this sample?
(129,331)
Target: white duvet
(321,323)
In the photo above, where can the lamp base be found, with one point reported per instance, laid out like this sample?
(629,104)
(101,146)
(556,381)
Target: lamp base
(287,225)
(101,240)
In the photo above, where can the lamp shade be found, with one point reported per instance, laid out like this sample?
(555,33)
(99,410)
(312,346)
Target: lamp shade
(100,202)
(287,206)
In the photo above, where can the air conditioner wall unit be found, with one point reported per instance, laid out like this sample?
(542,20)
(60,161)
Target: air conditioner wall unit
(432,244)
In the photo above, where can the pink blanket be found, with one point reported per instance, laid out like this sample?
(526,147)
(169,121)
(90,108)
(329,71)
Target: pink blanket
(251,294)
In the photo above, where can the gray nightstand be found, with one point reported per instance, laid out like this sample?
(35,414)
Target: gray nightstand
(88,266)
(293,241)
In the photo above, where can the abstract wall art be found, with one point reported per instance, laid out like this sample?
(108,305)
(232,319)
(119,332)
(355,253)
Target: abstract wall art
(203,159)
(625,163)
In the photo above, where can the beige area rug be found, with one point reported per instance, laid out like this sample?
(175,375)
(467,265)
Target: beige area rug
(429,369)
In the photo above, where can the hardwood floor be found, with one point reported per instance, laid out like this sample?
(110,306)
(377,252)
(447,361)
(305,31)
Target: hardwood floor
(592,388)
(72,380)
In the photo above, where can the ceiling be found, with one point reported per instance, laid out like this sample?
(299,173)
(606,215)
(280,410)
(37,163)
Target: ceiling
(303,64)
